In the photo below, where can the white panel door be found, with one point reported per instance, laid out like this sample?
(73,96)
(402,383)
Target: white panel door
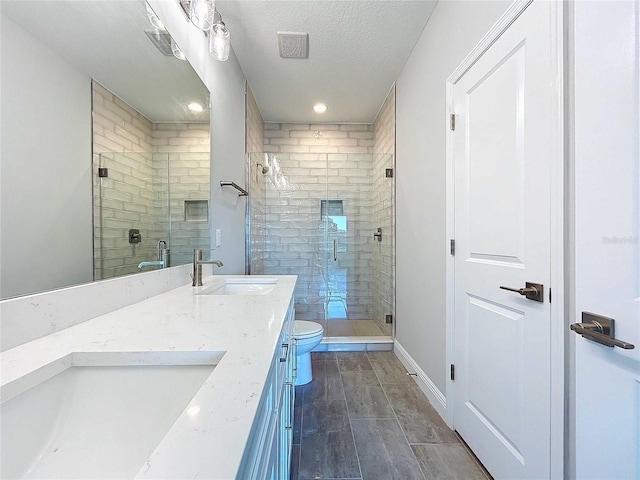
(502,151)
(607,232)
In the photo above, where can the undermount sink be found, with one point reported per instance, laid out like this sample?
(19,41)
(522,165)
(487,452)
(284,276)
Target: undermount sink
(241,286)
(98,421)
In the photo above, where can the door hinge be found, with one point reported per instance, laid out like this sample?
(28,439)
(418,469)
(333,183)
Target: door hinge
(453,372)
(452,121)
(388,318)
(452,246)
(549,295)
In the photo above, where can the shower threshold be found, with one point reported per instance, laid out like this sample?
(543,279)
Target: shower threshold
(355,344)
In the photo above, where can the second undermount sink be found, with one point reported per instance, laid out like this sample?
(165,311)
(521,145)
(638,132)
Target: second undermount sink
(241,286)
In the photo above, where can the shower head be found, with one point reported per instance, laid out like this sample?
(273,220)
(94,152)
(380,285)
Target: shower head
(265,170)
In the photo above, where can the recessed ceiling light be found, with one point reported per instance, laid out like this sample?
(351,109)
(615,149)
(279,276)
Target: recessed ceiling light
(320,108)
(195,107)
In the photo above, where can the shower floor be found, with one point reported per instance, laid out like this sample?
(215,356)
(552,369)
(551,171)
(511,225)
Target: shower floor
(342,335)
(351,328)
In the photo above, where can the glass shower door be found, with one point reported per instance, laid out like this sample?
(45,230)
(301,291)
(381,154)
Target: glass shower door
(315,216)
(354,281)
(129,212)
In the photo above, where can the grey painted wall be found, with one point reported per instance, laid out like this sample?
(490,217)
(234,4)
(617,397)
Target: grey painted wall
(46,168)
(452,31)
(228,163)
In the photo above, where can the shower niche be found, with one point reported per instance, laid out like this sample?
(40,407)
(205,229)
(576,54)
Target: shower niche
(196,210)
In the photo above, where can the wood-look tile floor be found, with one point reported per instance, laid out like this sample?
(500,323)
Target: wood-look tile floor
(362,417)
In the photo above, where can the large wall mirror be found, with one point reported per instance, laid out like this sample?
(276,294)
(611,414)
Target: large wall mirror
(105,145)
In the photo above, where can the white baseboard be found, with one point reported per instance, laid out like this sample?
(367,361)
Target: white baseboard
(435,396)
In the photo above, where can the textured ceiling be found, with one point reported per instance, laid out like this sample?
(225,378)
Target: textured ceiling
(357,49)
(106,40)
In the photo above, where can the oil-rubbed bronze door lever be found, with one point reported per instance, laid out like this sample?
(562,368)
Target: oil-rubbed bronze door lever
(532,291)
(600,329)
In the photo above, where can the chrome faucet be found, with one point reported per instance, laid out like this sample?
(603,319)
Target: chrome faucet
(162,245)
(197,266)
(156,263)
(164,257)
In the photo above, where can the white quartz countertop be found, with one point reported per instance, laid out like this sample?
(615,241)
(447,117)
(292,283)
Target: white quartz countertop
(173,327)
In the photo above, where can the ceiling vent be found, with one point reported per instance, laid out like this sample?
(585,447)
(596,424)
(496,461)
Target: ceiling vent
(293,44)
(161,40)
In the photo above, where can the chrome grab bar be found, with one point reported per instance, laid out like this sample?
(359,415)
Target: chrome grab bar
(600,330)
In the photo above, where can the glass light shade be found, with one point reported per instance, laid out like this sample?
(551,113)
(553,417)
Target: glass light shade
(177,52)
(153,19)
(219,42)
(202,13)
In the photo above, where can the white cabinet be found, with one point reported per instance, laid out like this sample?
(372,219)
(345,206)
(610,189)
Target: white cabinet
(267,455)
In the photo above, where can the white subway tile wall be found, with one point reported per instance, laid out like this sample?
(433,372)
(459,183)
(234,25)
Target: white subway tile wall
(123,200)
(257,183)
(309,164)
(254,124)
(146,162)
(185,146)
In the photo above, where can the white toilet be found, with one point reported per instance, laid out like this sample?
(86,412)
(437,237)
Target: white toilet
(307,336)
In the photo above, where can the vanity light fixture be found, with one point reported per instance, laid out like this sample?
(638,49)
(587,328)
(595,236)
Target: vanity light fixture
(320,108)
(154,20)
(219,39)
(201,13)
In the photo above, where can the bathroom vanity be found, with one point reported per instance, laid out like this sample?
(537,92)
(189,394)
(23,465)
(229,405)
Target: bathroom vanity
(209,372)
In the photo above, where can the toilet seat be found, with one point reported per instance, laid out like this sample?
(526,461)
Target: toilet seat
(305,329)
